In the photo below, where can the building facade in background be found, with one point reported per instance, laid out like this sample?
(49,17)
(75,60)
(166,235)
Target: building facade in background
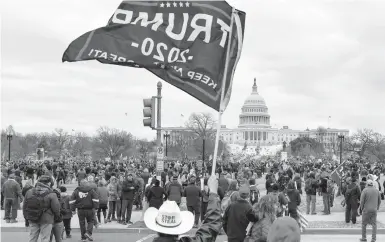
(255,130)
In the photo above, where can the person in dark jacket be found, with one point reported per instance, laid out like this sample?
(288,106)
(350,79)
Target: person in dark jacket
(12,197)
(86,200)
(237,216)
(66,210)
(26,188)
(128,194)
(81,175)
(352,197)
(311,186)
(174,190)
(325,195)
(294,200)
(223,182)
(155,195)
(193,194)
(57,227)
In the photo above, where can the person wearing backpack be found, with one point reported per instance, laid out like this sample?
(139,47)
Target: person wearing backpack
(174,190)
(41,206)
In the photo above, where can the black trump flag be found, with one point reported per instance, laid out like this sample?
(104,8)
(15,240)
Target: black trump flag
(184,43)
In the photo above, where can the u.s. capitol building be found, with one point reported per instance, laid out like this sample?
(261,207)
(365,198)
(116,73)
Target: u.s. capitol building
(254,130)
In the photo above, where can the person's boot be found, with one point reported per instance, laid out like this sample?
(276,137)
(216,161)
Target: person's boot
(13,221)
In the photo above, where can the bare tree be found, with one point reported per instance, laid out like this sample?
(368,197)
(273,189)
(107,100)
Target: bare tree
(79,144)
(112,142)
(360,142)
(201,125)
(377,148)
(144,148)
(182,145)
(59,140)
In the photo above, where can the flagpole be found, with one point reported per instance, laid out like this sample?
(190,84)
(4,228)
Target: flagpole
(220,113)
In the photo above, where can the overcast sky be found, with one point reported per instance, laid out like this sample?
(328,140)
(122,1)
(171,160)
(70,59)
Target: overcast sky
(312,59)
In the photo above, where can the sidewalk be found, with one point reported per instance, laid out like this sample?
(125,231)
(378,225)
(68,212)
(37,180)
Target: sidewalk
(318,224)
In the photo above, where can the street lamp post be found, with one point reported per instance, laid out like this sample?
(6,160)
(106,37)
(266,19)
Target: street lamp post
(166,136)
(9,138)
(341,137)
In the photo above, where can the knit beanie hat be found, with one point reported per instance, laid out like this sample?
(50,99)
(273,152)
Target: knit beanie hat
(284,229)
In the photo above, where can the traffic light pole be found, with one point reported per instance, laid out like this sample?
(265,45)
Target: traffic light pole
(159,116)
(159,126)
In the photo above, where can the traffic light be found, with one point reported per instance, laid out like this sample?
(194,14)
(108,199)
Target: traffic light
(149,112)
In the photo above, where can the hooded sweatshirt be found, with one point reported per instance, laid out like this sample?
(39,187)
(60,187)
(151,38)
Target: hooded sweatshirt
(85,197)
(294,197)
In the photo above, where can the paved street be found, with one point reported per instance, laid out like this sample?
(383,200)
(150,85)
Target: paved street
(104,237)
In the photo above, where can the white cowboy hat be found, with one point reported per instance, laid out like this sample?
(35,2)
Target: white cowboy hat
(169,219)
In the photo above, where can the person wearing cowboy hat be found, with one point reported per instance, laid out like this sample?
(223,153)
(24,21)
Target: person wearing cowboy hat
(169,222)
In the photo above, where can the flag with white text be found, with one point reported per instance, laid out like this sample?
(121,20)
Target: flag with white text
(184,43)
(338,173)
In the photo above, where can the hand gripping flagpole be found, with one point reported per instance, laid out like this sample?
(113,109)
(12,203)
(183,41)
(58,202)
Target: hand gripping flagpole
(221,110)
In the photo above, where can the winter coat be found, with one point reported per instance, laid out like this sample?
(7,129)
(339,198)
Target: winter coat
(235,219)
(370,199)
(294,199)
(11,190)
(128,190)
(51,203)
(65,205)
(155,196)
(352,194)
(112,189)
(193,195)
(174,191)
(103,195)
(85,197)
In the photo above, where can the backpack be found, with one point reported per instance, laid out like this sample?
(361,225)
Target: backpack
(64,207)
(33,207)
(308,187)
(226,201)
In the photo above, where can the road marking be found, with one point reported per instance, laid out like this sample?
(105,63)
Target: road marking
(146,238)
(134,44)
(190,57)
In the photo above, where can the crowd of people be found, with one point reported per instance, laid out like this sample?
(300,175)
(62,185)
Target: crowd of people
(108,191)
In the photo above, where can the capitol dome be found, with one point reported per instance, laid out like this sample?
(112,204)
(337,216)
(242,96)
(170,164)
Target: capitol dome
(254,111)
